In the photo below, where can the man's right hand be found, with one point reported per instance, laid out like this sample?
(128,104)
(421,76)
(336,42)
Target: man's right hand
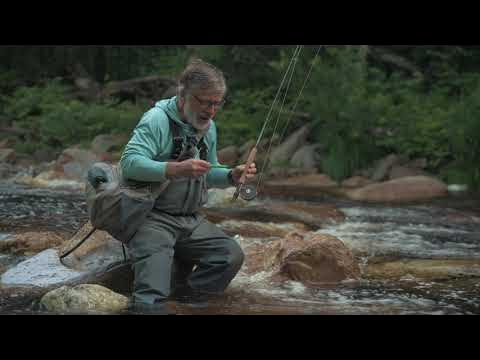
(187,169)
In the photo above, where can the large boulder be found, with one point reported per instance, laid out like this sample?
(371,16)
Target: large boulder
(284,152)
(86,298)
(306,158)
(406,189)
(383,167)
(310,258)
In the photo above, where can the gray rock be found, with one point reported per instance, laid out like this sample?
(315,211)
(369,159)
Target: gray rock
(285,151)
(382,169)
(306,157)
(42,270)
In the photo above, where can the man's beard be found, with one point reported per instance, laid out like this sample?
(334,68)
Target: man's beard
(198,122)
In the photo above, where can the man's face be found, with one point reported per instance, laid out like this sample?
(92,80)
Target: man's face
(201,107)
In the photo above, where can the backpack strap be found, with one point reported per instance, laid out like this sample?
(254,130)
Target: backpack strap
(177,139)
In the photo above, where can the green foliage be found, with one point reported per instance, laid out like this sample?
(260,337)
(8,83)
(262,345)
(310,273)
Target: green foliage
(339,101)
(243,116)
(54,120)
(167,62)
(349,97)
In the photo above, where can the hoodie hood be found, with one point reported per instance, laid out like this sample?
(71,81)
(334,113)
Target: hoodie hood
(171,108)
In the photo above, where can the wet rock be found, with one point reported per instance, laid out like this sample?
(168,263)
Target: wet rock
(7,156)
(305,257)
(313,216)
(51,179)
(42,270)
(356,182)
(428,270)
(382,169)
(228,156)
(30,243)
(301,187)
(86,298)
(407,189)
(285,151)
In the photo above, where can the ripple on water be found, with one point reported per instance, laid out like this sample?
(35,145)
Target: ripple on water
(402,232)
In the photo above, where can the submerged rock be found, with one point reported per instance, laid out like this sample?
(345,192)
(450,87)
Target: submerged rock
(421,269)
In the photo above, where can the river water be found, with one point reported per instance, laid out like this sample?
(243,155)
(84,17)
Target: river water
(443,230)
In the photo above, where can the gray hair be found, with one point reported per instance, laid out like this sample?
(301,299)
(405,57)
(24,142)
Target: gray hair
(201,75)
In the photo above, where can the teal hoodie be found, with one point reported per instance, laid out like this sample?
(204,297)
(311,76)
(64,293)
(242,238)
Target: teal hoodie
(146,155)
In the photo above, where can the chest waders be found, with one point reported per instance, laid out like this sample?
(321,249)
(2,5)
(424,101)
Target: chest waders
(182,150)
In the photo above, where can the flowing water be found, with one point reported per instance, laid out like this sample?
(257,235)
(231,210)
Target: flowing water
(443,230)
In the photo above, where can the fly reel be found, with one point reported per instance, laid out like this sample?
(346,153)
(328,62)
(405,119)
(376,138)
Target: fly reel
(248,192)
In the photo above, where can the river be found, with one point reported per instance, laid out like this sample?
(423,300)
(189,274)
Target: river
(443,230)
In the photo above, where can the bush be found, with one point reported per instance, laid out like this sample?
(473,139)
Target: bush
(54,120)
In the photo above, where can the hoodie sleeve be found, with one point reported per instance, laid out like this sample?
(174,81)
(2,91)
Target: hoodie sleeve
(216,178)
(138,162)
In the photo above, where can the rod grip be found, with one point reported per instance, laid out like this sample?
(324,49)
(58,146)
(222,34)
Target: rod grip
(251,159)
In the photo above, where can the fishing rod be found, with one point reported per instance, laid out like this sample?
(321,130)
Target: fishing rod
(250,192)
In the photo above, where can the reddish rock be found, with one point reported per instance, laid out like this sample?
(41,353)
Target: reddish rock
(401,190)
(310,259)
(357,182)
(31,243)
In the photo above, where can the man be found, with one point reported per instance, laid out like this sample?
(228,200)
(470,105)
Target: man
(174,228)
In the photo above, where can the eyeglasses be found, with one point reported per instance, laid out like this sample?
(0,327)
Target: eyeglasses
(206,104)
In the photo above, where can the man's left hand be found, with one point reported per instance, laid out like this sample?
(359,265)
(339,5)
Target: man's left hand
(238,172)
